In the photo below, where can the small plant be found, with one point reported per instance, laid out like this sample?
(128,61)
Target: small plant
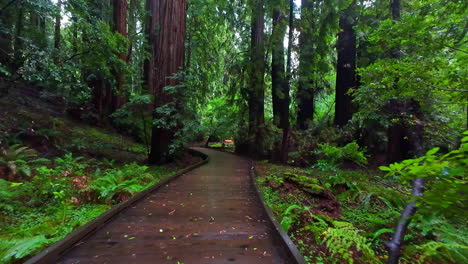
(120,184)
(17,249)
(289,216)
(337,155)
(344,239)
(15,159)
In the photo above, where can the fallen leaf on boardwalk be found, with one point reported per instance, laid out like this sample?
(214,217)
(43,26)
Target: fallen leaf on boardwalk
(222,231)
(195,234)
(161,230)
(250,237)
(131,238)
(248,217)
(150,214)
(172,212)
(212,219)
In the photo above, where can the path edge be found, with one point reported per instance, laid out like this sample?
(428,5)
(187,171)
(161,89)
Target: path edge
(285,239)
(53,252)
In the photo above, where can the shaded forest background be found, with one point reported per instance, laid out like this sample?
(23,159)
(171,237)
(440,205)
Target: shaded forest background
(328,85)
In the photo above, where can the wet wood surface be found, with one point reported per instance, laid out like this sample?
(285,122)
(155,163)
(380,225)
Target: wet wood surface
(209,215)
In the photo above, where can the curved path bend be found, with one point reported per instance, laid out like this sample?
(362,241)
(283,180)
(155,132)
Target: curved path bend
(209,215)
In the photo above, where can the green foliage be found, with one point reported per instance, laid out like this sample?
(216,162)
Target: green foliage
(119,184)
(343,239)
(336,155)
(445,175)
(290,216)
(16,158)
(432,250)
(20,248)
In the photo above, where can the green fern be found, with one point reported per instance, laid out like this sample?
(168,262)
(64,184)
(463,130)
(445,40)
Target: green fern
(289,216)
(20,248)
(455,253)
(343,238)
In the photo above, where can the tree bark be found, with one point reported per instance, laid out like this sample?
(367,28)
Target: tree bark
(120,26)
(57,32)
(345,67)
(395,7)
(257,80)
(305,92)
(6,43)
(18,43)
(150,31)
(279,89)
(169,51)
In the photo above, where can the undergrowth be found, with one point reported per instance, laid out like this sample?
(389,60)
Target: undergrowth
(367,206)
(60,195)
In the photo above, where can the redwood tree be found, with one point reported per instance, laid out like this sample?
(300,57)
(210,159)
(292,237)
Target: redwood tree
(256,90)
(305,92)
(169,51)
(280,75)
(345,67)
(120,26)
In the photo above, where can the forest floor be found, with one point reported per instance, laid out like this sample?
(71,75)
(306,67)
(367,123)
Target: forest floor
(57,172)
(346,215)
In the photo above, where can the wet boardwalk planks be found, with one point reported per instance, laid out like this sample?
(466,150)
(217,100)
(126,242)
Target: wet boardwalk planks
(209,215)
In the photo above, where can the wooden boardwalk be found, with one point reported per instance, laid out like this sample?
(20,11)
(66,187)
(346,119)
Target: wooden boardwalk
(209,215)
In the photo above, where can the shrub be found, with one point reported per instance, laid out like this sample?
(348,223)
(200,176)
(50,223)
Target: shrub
(337,155)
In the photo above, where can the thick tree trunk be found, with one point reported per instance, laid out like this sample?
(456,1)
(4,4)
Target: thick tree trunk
(285,139)
(57,32)
(120,26)
(395,7)
(257,81)
(6,43)
(58,19)
(345,68)
(278,73)
(150,31)
(18,43)
(305,92)
(169,51)
(280,76)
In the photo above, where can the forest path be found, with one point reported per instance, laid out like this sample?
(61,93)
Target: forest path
(209,215)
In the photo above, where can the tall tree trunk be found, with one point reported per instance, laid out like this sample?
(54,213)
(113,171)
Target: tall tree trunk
(18,43)
(150,32)
(120,26)
(285,139)
(279,77)
(57,32)
(345,67)
(277,65)
(396,147)
(6,43)
(409,135)
(395,7)
(257,80)
(169,50)
(305,92)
